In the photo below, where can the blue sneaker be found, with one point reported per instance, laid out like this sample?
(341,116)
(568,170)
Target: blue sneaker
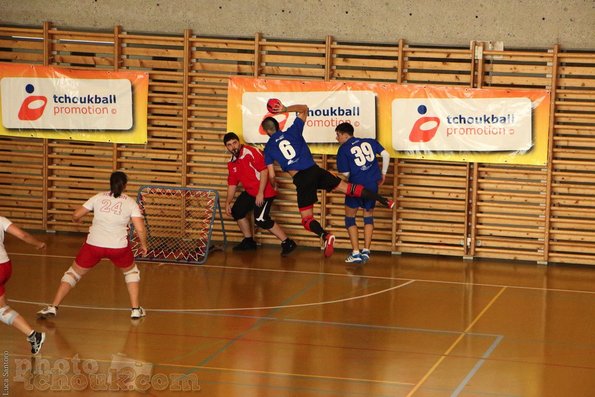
(365,255)
(354,258)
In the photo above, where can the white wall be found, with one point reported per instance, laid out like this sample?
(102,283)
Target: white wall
(518,23)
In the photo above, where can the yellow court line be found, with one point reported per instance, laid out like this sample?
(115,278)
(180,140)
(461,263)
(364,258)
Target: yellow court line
(250,371)
(454,344)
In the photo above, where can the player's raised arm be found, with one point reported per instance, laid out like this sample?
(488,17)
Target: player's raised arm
(302,111)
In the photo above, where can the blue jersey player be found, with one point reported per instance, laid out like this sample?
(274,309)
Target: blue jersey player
(289,149)
(356,160)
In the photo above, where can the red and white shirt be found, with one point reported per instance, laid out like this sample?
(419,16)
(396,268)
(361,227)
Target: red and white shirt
(110,219)
(245,169)
(4,224)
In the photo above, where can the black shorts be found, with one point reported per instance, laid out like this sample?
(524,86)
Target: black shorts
(308,181)
(246,203)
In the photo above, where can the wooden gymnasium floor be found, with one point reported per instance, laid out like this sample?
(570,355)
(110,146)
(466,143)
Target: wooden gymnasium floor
(252,324)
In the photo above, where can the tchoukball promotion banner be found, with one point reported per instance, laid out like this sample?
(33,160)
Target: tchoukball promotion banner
(411,121)
(60,103)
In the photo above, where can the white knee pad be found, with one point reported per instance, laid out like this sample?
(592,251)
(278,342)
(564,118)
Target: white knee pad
(7,315)
(71,277)
(132,275)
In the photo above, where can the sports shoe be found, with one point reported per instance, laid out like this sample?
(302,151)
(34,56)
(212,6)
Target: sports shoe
(36,340)
(354,258)
(390,204)
(47,312)
(287,247)
(137,312)
(329,242)
(247,244)
(365,254)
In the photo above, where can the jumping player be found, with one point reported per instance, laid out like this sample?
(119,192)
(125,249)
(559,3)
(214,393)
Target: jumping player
(356,160)
(290,150)
(108,238)
(8,315)
(247,167)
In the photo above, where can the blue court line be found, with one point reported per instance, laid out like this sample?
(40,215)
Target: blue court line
(258,323)
(476,367)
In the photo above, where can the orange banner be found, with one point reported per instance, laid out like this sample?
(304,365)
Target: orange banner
(59,103)
(412,121)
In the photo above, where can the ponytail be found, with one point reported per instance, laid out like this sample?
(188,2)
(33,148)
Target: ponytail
(117,183)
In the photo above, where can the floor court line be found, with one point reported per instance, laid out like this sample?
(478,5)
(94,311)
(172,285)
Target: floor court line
(476,367)
(306,272)
(229,308)
(455,343)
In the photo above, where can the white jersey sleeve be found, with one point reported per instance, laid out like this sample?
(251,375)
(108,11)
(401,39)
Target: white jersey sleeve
(4,224)
(111,219)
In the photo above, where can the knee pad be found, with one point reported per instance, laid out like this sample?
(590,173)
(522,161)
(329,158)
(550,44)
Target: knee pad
(70,277)
(349,221)
(368,220)
(7,315)
(306,222)
(265,224)
(132,275)
(354,190)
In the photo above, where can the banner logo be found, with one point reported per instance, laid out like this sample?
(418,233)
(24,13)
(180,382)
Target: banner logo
(425,127)
(33,106)
(462,124)
(66,103)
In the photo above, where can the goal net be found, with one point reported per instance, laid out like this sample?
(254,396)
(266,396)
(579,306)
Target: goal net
(179,223)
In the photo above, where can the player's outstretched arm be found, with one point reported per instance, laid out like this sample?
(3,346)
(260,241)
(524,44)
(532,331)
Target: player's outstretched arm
(24,236)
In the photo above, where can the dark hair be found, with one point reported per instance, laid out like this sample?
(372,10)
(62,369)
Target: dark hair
(117,183)
(229,136)
(269,124)
(345,128)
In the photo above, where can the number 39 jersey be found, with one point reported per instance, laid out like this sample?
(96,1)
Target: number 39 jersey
(358,157)
(289,148)
(110,219)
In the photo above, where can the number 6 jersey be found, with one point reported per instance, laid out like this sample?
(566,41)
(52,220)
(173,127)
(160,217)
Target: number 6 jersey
(358,157)
(289,148)
(110,219)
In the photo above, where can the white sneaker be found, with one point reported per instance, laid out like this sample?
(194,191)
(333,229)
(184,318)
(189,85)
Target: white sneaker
(137,312)
(47,312)
(365,255)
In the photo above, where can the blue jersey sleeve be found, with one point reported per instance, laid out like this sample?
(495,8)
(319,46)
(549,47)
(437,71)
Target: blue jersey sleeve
(268,159)
(297,128)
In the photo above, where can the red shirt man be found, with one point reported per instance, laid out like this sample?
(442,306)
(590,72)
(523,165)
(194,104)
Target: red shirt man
(247,167)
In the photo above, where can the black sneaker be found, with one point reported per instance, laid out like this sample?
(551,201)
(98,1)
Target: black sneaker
(287,247)
(247,244)
(36,340)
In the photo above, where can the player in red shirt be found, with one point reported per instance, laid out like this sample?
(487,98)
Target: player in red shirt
(247,167)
